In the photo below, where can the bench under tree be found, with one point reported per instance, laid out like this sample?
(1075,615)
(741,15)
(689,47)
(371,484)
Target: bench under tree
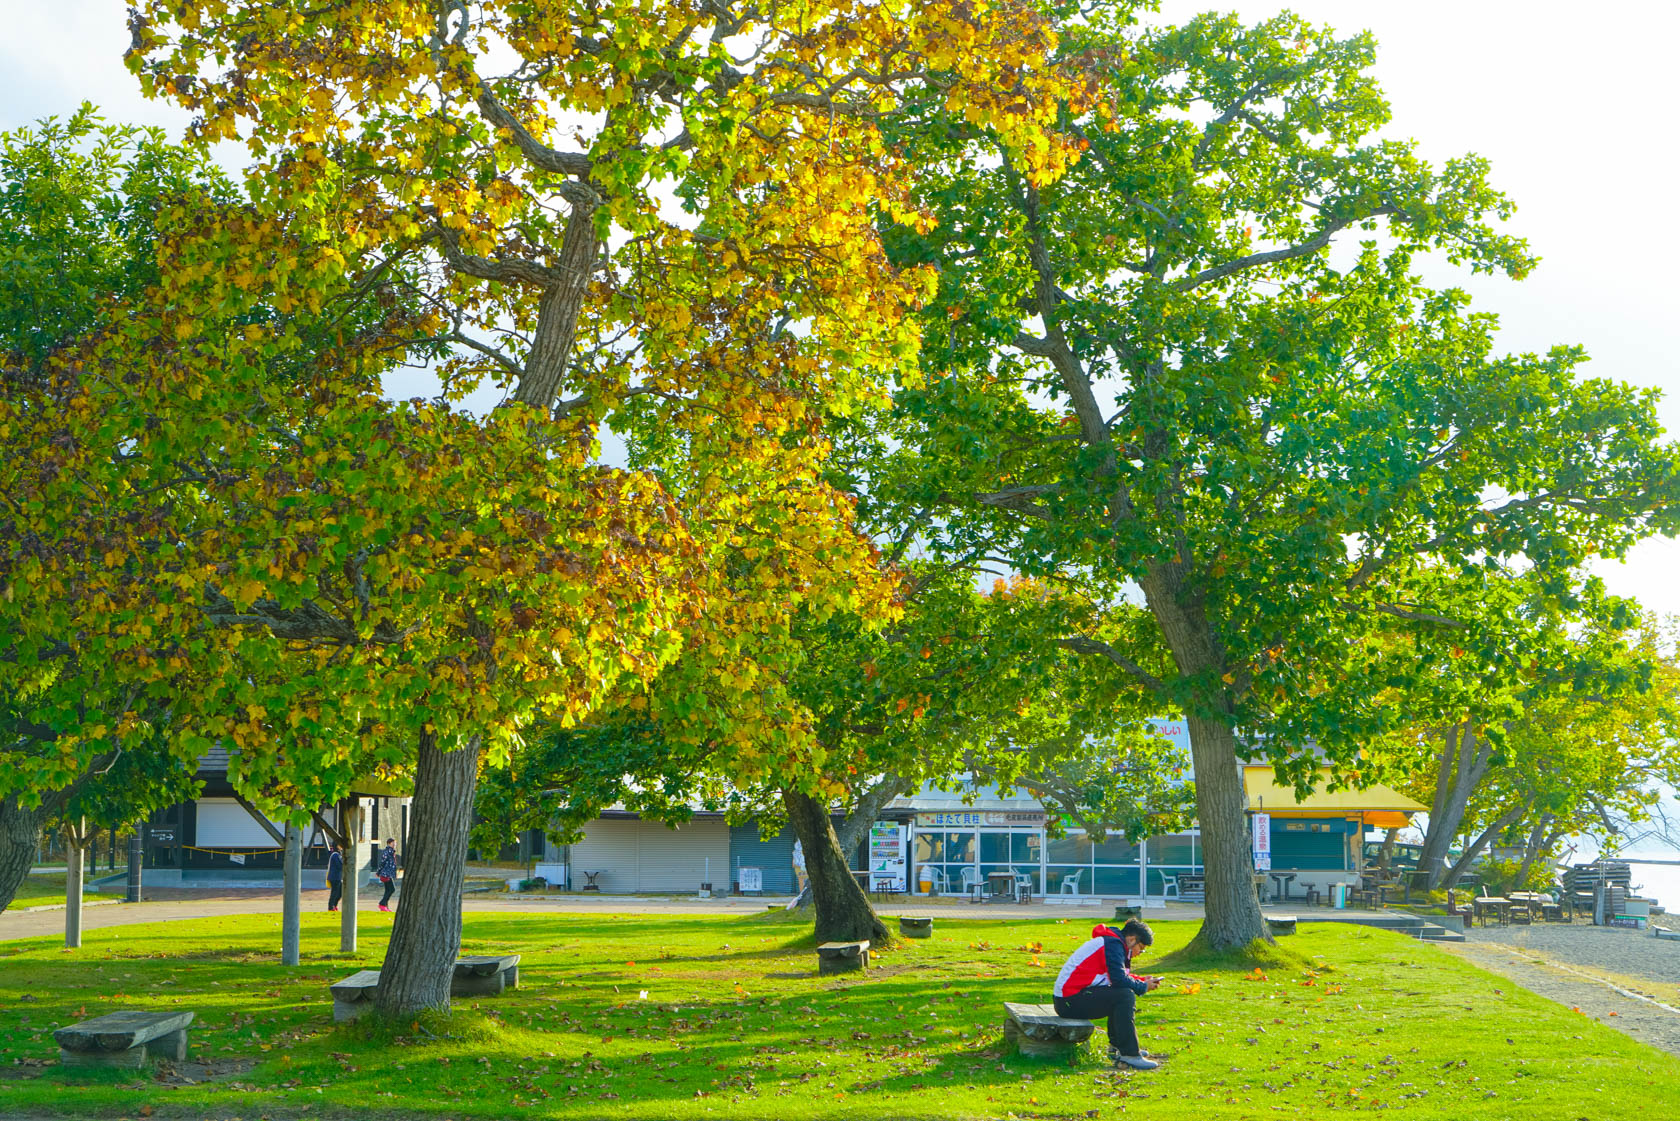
(1038,1033)
(129,1038)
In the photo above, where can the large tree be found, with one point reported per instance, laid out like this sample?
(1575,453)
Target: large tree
(609,213)
(1203,367)
(82,205)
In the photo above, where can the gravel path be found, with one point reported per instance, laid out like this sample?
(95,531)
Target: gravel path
(1602,971)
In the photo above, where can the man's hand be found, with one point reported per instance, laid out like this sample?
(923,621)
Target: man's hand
(1153,982)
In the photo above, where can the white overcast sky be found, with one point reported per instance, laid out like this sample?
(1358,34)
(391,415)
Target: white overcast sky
(1572,105)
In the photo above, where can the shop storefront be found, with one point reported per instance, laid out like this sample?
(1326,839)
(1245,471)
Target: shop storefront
(951,851)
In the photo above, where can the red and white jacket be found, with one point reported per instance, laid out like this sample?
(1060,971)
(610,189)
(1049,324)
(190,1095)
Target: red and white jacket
(1102,960)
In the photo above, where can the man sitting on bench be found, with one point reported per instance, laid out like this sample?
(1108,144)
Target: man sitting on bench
(1097,980)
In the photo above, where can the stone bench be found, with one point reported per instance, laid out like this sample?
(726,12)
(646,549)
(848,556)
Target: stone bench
(124,1039)
(484,975)
(474,975)
(353,996)
(1037,1032)
(842,957)
(915,928)
(1281,924)
(1666,935)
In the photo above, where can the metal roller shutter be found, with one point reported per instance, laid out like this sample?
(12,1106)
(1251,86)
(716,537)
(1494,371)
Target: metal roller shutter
(609,847)
(774,857)
(677,859)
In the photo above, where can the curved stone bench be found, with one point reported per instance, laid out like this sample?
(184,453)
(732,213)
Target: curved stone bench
(915,928)
(124,1039)
(842,957)
(1037,1032)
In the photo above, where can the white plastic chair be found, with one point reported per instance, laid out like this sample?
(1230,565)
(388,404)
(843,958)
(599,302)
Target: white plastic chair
(972,885)
(1070,882)
(936,876)
(1023,883)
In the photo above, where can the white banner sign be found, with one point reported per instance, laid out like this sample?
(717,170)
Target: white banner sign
(1262,838)
(750,879)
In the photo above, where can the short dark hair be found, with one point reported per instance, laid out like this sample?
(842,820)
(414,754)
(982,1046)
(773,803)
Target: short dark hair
(1138,929)
(390,840)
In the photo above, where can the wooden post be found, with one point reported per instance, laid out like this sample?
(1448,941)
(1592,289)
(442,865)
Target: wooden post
(350,824)
(292,901)
(74,852)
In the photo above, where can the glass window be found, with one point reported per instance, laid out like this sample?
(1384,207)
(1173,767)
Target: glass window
(1056,873)
(1117,880)
(1024,848)
(994,846)
(1174,848)
(1075,848)
(928,846)
(1117,850)
(959,848)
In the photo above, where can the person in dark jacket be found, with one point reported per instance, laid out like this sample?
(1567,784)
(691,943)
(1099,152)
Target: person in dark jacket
(1097,980)
(335,877)
(387,871)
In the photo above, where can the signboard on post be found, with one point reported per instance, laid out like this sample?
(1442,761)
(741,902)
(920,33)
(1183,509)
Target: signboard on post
(750,879)
(1263,842)
(889,864)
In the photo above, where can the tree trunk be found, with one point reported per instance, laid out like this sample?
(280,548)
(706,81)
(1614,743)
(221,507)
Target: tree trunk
(557,313)
(1386,859)
(291,897)
(350,824)
(426,937)
(75,858)
(843,911)
(1463,764)
(1539,840)
(1232,908)
(1474,849)
(20,831)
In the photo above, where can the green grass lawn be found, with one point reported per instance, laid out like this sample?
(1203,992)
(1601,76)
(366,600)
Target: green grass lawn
(48,887)
(734,1024)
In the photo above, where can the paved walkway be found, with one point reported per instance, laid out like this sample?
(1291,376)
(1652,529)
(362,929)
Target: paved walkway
(180,904)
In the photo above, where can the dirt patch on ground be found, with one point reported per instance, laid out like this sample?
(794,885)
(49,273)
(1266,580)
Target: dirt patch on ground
(1645,1020)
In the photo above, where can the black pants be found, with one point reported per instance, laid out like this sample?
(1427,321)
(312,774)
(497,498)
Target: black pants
(390,890)
(336,894)
(1116,1002)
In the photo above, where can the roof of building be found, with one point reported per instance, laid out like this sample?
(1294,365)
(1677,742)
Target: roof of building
(1265,795)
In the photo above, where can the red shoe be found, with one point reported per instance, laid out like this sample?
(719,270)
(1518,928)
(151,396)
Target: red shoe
(382,907)
(332,908)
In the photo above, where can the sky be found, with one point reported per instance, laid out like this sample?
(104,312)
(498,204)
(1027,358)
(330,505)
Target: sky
(1571,104)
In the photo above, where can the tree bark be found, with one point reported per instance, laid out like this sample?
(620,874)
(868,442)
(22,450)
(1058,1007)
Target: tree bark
(1386,859)
(291,897)
(75,857)
(1464,763)
(1233,918)
(1540,838)
(426,937)
(20,830)
(1474,849)
(843,911)
(350,824)
(562,300)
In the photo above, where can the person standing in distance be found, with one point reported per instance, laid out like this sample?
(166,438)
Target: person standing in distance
(335,876)
(387,871)
(1097,980)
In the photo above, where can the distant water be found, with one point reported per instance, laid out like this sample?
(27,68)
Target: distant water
(1660,882)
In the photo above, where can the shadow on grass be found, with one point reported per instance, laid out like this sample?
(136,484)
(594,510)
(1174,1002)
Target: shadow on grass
(1196,957)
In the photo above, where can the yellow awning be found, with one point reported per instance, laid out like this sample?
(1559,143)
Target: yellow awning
(1386,819)
(1266,796)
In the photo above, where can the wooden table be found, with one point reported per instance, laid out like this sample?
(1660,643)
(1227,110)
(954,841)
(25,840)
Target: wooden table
(1498,905)
(1532,900)
(1001,885)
